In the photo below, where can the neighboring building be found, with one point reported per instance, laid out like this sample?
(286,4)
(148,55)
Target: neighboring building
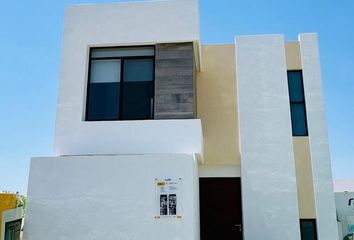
(11,215)
(343,186)
(344,195)
(156,134)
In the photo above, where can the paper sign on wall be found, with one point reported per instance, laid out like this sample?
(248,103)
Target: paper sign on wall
(168,197)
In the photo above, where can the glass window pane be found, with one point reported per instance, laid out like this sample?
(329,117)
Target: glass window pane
(298,119)
(122,52)
(308,230)
(103,71)
(103,101)
(295,86)
(138,70)
(138,89)
(104,90)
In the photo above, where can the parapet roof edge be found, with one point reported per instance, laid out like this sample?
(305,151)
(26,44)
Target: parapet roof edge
(121,3)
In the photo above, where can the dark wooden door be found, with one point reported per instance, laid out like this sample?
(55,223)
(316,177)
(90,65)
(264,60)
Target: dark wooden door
(220,209)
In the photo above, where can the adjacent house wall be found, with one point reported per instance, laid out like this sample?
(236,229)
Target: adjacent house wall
(217,105)
(269,193)
(10,216)
(109,197)
(345,212)
(7,202)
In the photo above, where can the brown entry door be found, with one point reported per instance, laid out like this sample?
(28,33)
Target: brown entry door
(220,209)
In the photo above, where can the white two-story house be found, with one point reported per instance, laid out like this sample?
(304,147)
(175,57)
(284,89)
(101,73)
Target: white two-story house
(161,137)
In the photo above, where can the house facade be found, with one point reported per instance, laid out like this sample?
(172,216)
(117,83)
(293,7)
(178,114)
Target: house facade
(11,216)
(344,198)
(161,137)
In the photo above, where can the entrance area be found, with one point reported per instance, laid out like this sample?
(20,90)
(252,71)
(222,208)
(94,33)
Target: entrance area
(220,209)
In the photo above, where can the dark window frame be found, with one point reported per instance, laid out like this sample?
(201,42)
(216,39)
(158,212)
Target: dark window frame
(121,87)
(313,221)
(303,102)
(20,221)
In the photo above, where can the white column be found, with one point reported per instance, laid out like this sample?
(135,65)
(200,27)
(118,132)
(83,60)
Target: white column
(317,128)
(269,194)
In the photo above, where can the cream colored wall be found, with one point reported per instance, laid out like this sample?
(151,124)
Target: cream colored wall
(216,105)
(293,55)
(305,190)
(304,180)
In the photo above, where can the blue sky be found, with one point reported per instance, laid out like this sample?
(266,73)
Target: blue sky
(30,48)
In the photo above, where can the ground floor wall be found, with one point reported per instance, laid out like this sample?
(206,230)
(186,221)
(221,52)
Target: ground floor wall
(110,197)
(119,197)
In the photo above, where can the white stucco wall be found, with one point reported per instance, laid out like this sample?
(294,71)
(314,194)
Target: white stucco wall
(318,139)
(131,23)
(75,137)
(109,197)
(269,194)
(120,24)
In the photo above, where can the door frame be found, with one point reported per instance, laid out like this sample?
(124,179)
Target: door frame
(219,171)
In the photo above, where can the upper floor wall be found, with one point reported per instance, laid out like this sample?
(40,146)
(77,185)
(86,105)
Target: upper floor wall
(171,28)
(130,23)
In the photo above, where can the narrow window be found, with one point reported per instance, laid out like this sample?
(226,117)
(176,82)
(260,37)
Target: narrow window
(297,103)
(138,89)
(308,229)
(121,84)
(104,90)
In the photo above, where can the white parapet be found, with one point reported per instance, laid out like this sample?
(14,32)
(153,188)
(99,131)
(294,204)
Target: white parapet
(128,137)
(269,194)
(110,197)
(131,23)
(317,129)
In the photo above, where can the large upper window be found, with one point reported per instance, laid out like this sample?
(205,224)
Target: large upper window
(121,84)
(297,103)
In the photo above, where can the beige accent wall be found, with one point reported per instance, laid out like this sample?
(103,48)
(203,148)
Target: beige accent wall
(301,146)
(216,105)
(293,55)
(305,190)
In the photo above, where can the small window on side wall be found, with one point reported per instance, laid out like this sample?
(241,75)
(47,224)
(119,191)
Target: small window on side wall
(297,103)
(120,84)
(308,229)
